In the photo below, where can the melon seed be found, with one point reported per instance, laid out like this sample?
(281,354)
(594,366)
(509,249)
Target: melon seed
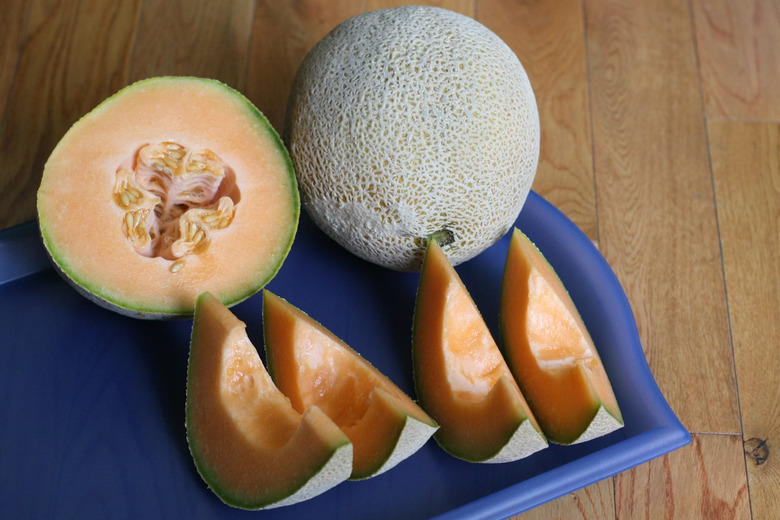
(178,185)
(176,266)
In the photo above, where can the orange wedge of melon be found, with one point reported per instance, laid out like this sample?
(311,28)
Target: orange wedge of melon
(248,443)
(460,376)
(314,368)
(550,352)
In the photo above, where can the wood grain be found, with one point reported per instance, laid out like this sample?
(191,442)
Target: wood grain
(194,37)
(465,7)
(74,55)
(12,25)
(548,37)
(688,483)
(594,502)
(283,33)
(746,170)
(656,209)
(739,52)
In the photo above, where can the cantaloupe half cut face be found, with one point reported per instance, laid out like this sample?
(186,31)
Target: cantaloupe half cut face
(171,187)
(550,352)
(248,443)
(314,368)
(461,378)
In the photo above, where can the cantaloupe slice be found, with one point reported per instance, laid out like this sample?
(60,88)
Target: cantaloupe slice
(248,443)
(315,368)
(461,378)
(550,352)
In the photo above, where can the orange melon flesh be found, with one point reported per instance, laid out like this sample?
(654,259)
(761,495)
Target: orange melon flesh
(550,352)
(313,367)
(82,223)
(248,443)
(461,378)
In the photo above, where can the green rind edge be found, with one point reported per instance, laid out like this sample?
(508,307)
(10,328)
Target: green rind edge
(598,404)
(212,480)
(94,294)
(427,419)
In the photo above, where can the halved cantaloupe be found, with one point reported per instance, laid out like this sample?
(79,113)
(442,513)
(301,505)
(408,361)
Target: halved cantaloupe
(313,367)
(248,443)
(550,352)
(171,187)
(460,376)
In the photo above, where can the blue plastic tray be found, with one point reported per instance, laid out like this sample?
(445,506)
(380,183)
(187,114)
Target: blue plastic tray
(92,403)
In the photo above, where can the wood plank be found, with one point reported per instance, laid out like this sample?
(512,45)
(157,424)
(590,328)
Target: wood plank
(194,37)
(594,502)
(12,24)
(74,55)
(655,202)
(739,53)
(283,33)
(466,7)
(746,170)
(688,483)
(549,39)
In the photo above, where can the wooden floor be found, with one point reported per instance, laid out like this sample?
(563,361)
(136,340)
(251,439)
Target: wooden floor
(660,140)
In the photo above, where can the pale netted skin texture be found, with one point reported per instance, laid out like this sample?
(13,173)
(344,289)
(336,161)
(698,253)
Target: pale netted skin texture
(410,123)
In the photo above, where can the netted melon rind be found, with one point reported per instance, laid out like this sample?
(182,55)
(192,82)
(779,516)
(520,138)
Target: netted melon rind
(411,121)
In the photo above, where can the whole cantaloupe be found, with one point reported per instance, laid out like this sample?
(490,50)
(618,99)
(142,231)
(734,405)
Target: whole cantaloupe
(412,123)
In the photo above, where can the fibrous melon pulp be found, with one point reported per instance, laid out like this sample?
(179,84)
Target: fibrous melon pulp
(550,352)
(413,123)
(461,378)
(313,367)
(171,187)
(248,443)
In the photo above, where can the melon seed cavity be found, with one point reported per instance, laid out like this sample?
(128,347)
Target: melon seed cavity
(173,200)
